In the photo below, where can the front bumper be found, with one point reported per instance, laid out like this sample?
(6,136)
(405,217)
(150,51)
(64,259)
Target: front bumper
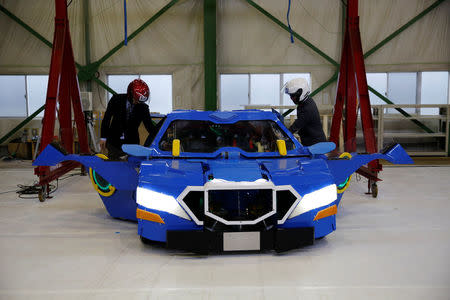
(203,241)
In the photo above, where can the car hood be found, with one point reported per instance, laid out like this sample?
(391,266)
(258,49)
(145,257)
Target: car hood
(173,176)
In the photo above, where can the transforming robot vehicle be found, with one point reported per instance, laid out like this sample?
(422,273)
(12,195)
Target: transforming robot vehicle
(225,181)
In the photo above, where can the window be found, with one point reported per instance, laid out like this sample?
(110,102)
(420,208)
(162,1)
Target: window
(119,83)
(378,81)
(239,90)
(22,94)
(234,91)
(402,89)
(13,98)
(265,89)
(160,89)
(37,92)
(411,88)
(160,92)
(434,90)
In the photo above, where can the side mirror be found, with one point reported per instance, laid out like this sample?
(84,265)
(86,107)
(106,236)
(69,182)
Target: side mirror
(282,147)
(322,148)
(176,147)
(136,150)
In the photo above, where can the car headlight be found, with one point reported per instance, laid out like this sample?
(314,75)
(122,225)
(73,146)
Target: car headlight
(316,199)
(160,201)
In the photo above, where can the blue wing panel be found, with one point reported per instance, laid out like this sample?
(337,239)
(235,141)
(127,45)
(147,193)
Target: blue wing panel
(121,204)
(119,173)
(341,169)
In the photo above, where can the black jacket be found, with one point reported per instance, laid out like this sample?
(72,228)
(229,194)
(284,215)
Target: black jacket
(308,123)
(115,124)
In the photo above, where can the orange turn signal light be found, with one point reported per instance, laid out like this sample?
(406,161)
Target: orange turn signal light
(146,215)
(332,210)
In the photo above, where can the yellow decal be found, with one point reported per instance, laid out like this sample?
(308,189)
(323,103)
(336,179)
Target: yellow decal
(104,191)
(343,186)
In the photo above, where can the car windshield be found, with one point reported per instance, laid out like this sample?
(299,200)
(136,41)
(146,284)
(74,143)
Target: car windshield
(207,137)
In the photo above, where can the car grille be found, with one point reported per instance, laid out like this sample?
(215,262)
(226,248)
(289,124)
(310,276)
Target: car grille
(235,208)
(240,206)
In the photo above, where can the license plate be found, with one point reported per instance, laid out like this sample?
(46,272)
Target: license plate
(241,241)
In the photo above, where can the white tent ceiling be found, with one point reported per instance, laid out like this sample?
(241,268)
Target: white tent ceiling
(247,41)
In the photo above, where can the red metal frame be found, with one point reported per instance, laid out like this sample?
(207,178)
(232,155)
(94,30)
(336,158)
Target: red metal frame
(352,86)
(63,90)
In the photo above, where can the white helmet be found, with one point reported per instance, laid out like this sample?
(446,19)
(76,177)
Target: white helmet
(297,86)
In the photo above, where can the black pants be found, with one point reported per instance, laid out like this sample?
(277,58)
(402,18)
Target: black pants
(114,152)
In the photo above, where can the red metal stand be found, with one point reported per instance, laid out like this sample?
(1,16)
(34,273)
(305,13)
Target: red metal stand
(63,96)
(352,86)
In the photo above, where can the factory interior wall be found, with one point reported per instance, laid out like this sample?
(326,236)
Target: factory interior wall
(247,41)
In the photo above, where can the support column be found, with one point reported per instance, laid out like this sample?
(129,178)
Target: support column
(87,41)
(209,29)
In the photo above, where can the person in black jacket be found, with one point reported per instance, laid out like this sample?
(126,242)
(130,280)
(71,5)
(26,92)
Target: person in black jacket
(122,118)
(307,124)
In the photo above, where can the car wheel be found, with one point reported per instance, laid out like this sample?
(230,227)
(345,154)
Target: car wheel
(374,190)
(145,241)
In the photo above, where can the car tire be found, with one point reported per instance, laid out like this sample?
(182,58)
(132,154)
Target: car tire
(144,240)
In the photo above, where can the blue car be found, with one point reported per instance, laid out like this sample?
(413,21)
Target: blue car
(225,181)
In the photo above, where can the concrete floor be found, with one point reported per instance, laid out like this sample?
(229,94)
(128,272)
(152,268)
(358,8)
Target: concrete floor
(393,247)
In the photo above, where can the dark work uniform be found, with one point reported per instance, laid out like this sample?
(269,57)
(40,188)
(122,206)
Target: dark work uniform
(121,122)
(308,123)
